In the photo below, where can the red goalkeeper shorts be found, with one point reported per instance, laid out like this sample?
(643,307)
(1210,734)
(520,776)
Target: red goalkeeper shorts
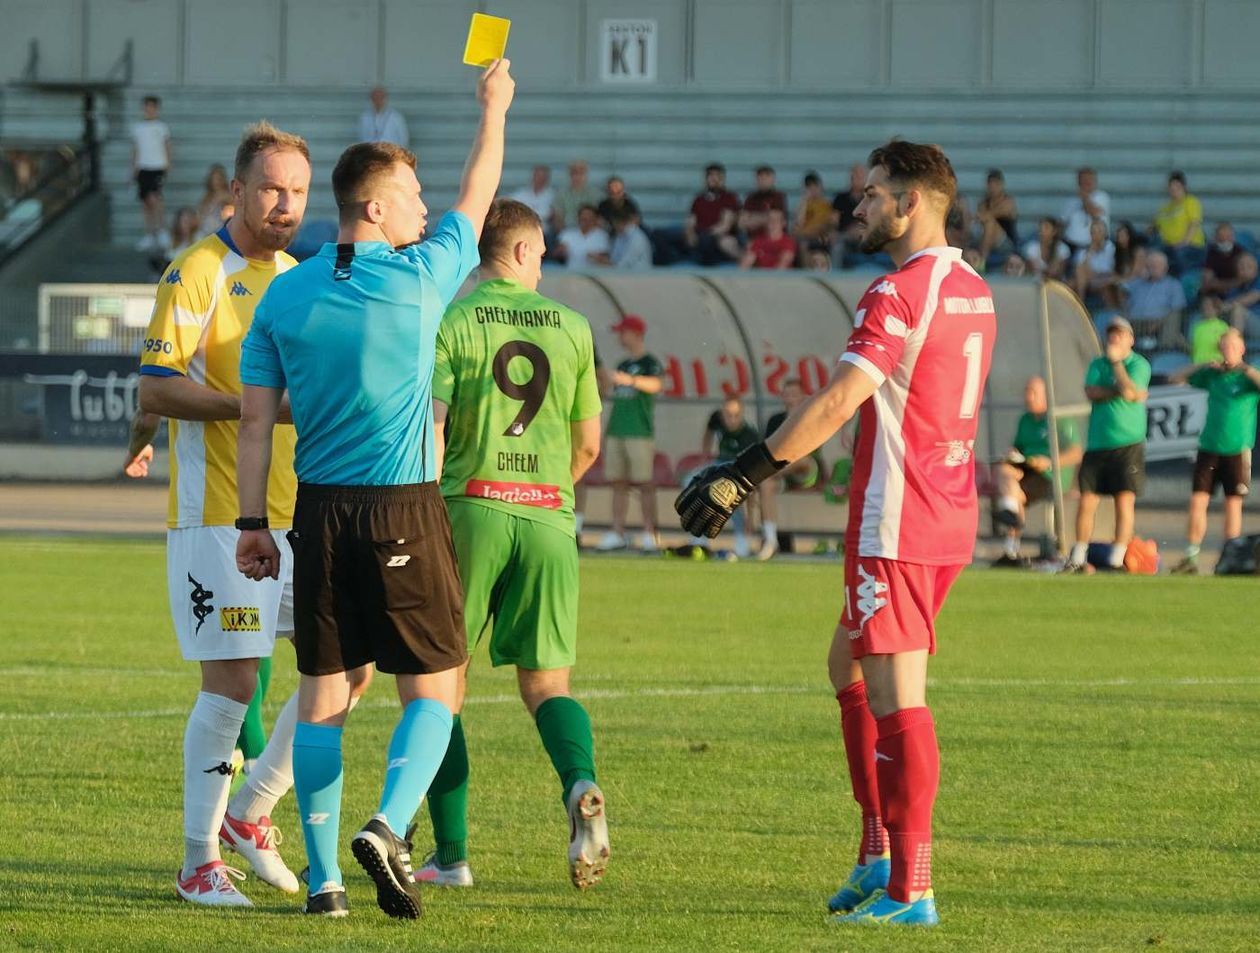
(891,606)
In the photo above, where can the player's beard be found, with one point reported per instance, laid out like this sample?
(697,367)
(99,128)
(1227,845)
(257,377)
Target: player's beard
(274,235)
(877,236)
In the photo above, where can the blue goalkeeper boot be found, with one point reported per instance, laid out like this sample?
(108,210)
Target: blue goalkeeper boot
(880,910)
(864,881)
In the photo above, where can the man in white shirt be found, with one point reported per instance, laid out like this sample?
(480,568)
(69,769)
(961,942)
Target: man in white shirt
(1089,203)
(383,123)
(538,195)
(586,245)
(150,158)
(631,247)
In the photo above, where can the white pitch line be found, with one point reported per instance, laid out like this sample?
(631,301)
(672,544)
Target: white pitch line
(699,692)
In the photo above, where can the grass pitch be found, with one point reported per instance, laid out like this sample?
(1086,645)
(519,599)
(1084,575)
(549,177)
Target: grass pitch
(1099,742)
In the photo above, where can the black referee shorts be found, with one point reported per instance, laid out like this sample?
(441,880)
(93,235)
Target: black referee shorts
(375,580)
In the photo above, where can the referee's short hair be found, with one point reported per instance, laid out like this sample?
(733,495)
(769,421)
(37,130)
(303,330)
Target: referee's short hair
(918,165)
(360,166)
(505,222)
(260,137)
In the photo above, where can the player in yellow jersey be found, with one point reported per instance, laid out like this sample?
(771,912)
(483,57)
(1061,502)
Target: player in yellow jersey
(190,373)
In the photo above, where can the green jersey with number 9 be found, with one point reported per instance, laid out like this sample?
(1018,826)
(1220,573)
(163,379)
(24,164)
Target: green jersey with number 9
(516,370)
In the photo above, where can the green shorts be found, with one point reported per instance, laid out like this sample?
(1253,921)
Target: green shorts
(524,574)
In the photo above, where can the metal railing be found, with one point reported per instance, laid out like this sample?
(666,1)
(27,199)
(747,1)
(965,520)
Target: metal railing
(39,183)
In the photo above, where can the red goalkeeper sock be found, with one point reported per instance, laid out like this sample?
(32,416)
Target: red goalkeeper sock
(909,767)
(858,726)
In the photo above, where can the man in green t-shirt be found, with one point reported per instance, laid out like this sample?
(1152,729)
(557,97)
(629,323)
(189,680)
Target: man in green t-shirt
(514,383)
(630,450)
(1115,448)
(726,435)
(1025,473)
(1229,434)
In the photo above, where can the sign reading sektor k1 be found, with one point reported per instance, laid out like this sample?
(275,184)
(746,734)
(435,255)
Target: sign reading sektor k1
(627,51)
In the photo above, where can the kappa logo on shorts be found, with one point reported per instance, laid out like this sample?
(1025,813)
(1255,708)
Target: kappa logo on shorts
(869,591)
(398,560)
(201,607)
(240,619)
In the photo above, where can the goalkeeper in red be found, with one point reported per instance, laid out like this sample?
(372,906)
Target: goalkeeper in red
(914,371)
(514,382)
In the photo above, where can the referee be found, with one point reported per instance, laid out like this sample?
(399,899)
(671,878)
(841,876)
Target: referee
(350,333)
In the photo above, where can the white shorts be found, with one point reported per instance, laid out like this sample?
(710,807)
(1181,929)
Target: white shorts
(218,613)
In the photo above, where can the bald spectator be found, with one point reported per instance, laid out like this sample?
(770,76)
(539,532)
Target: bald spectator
(572,197)
(1089,203)
(381,122)
(1220,266)
(709,232)
(759,202)
(848,229)
(1026,474)
(538,195)
(616,202)
(1157,302)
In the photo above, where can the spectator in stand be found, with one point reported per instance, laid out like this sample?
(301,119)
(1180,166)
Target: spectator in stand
(958,223)
(1157,301)
(1094,268)
(710,229)
(997,214)
(630,448)
(726,434)
(1206,333)
(813,216)
(1025,474)
(1130,254)
(1178,224)
(381,122)
(150,160)
(585,245)
(1089,203)
(1225,444)
(631,247)
(774,248)
(1014,266)
(972,257)
(1115,448)
(1047,254)
(848,229)
(538,195)
(755,216)
(1244,300)
(818,258)
(185,230)
(616,202)
(215,207)
(1220,266)
(579,192)
(804,474)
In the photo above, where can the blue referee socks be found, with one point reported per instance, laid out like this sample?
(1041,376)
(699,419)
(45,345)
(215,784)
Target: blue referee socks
(317,783)
(415,753)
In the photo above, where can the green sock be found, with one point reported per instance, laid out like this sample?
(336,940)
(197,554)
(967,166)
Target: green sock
(253,736)
(448,800)
(565,729)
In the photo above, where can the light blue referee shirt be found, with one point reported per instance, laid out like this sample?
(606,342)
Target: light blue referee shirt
(350,333)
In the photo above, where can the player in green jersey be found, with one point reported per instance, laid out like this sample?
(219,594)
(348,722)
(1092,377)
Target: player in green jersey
(1229,434)
(514,383)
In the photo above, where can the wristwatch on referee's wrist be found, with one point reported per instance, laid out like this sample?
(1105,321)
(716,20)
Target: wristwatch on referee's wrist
(252,522)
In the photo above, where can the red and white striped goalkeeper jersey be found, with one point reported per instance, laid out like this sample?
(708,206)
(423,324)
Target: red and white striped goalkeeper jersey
(925,333)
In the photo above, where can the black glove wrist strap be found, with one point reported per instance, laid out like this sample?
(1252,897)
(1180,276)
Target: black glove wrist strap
(756,465)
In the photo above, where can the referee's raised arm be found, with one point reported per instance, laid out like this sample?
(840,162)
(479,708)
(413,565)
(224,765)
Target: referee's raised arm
(485,161)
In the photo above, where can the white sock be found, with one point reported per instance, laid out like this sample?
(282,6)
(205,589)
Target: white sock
(1117,556)
(1079,553)
(213,727)
(769,532)
(741,545)
(1012,547)
(272,774)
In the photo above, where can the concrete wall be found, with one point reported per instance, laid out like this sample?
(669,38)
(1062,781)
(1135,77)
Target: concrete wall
(807,44)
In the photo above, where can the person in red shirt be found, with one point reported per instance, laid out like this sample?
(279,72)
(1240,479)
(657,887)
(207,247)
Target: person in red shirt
(914,370)
(710,228)
(775,248)
(754,218)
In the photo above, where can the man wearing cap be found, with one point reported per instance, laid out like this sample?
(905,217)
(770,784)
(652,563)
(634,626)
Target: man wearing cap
(630,447)
(1115,448)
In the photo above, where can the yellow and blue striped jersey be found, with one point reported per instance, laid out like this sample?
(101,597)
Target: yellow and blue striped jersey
(205,305)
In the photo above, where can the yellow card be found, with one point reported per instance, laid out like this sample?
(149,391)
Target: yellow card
(487,40)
